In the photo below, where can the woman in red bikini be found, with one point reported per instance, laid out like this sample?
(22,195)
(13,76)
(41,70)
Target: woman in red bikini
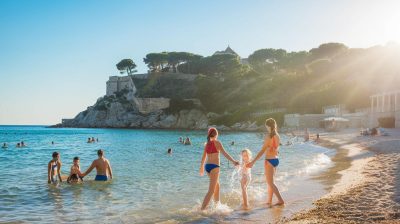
(212,149)
(270,148)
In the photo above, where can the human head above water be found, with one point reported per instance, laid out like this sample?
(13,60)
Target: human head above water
(246,154)
(55,155)
(212,133)
(100,153)
(270,123)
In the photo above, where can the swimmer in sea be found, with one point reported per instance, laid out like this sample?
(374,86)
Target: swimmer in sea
(169,151)
(89,140)
(212,150)
(54,169)
(75,173)
(4,145)
(103,168)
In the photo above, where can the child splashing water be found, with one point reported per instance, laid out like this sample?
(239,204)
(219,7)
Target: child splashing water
(245,176)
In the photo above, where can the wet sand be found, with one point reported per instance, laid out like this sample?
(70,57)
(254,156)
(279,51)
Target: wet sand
(364,183)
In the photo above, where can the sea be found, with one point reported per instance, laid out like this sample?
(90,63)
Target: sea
(149,185)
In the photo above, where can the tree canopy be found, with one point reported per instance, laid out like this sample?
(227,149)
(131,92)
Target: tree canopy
(126,66)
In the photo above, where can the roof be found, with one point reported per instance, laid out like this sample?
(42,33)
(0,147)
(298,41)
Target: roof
(228,50)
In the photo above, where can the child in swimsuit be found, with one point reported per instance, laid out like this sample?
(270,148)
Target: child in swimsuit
(245,176)
(54,169)
(75,174)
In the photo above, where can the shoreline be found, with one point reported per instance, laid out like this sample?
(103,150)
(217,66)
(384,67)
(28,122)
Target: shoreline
(365,183)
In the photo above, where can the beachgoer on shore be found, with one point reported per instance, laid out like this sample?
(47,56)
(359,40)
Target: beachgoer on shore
(270,149)
(103,168)
(75,174)
(54,169)
(245,176)
(211,153)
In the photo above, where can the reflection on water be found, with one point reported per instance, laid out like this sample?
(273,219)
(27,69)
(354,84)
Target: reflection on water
(148,185)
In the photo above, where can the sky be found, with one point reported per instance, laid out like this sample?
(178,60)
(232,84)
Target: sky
(56,56)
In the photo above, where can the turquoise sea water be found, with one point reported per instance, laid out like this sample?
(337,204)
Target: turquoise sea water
(149,186)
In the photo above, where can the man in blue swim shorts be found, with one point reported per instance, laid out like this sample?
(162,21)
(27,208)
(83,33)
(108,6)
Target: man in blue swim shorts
(103,167)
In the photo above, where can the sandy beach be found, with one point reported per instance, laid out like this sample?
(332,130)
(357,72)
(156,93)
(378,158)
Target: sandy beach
(365,181)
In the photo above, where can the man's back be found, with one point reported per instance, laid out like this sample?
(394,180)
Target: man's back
(101,165)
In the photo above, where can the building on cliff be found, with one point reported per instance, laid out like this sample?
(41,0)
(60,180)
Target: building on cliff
(229,50)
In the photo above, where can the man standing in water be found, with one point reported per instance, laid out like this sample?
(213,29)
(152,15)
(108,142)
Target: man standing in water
(102,166)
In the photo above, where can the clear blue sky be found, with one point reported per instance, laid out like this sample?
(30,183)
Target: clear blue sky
(55,56)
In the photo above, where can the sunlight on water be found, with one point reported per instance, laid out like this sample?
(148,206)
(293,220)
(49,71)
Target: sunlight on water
(148,185)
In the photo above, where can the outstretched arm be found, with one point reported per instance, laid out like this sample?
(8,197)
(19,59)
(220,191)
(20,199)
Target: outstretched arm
(203,160)
(226,154)
(260,153)
(90,169)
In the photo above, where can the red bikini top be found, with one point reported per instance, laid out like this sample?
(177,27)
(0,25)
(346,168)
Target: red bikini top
(210,147)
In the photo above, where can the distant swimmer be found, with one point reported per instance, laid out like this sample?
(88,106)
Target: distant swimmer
(232,143)
(23,144)
(4,145)
(89,140)
(97,139)
(54,169)
(181,140)
(103,167)
(169,151)
(75,175)
(18,145)
(52,142)
(187,141)
(93,139)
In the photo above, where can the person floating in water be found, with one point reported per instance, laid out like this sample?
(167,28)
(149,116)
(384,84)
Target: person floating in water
(54,169)
(89,140)
(212,150)
(270,149)
(75,175)
(23,144)
(103,167)
(18,145)
(169,151)
(187,141)
(93,140)
(246,176)
(52,142)
(181,140)
(232,143)
(4,145)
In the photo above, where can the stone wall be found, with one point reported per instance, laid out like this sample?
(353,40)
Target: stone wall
(148,105)
(356,120)
(118,83)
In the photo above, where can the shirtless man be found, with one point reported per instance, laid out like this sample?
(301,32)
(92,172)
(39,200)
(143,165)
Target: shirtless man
(102,166)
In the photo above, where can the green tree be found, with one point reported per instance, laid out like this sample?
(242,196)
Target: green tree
(126,65)
(328,50)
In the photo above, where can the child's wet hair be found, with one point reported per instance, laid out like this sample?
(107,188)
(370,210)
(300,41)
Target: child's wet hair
(248,152)
(76,158)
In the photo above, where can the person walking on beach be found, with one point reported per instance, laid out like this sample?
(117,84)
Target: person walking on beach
(212,150)
(54,169)
(103,167)
(270,148)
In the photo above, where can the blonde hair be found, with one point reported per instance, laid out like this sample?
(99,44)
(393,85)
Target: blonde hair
(248,152)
